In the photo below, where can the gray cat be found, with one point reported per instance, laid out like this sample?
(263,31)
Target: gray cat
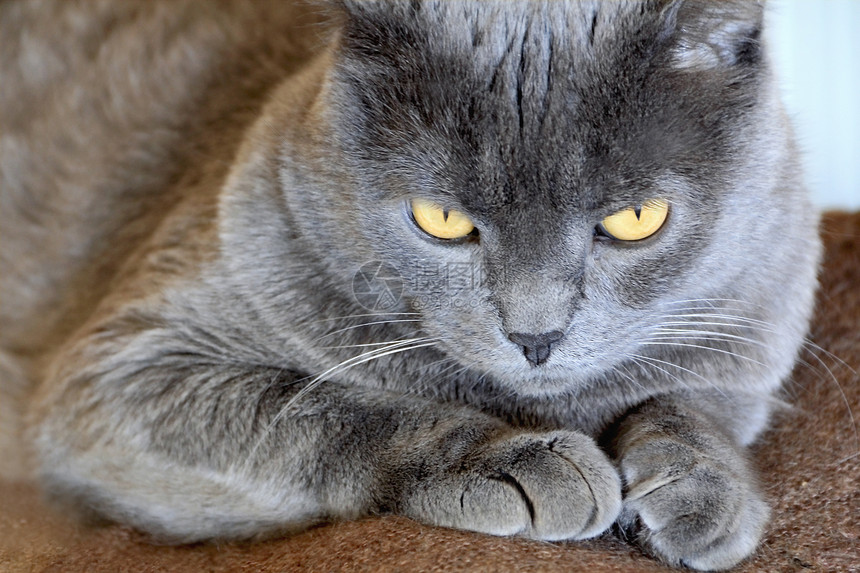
(522,268)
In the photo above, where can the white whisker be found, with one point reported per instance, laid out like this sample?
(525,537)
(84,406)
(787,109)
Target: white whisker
(351,316)
(370,355)
(626,374)
(679,367)
(391,348)
(812,346)
(711,348)
(710,300)
(365,345)
(729,317)
(710,335)
(642,361)
(706,323)
(833,377)
(374,323)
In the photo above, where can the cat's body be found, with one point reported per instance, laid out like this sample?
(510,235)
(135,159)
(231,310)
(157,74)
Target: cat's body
(187,199)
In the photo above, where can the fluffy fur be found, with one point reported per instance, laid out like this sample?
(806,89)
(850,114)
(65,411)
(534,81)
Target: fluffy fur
(188,191)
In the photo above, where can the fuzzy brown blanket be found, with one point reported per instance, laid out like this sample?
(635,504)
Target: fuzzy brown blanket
(809,463)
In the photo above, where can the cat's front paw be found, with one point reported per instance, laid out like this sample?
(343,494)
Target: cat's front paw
(550,486)
(690,510)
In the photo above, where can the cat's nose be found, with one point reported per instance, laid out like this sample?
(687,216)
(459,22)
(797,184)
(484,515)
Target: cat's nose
(536,347)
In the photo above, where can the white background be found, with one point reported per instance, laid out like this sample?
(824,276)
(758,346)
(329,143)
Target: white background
(815,45)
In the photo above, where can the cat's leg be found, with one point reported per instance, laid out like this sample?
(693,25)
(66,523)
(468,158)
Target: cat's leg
(187,448)
(690,495)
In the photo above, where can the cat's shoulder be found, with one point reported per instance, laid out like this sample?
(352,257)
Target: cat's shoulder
(117,120)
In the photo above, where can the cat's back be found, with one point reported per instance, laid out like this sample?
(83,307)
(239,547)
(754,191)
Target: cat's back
(111,115)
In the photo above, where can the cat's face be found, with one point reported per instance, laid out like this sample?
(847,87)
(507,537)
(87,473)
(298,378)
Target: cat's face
(534,122)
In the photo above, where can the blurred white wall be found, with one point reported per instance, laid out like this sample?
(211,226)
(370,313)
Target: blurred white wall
(816,48)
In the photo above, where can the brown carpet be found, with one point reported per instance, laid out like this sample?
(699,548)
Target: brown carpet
(809,463)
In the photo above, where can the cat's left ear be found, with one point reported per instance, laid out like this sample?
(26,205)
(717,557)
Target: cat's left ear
(711,34)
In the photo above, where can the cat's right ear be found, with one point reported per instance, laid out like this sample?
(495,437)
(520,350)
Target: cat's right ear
(710,34)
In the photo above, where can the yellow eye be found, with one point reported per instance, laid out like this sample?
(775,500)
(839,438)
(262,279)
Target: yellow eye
(637,224)
(440,223)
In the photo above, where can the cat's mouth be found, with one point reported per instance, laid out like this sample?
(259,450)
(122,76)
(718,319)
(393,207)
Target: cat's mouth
(539,366)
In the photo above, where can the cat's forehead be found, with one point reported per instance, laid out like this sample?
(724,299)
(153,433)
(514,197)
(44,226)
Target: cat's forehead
(488,39)
(462,20)
(516,103)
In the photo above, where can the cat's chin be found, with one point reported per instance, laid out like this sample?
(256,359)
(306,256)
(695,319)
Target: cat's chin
(543,381)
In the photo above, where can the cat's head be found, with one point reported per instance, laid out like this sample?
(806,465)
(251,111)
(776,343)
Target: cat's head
(536,123)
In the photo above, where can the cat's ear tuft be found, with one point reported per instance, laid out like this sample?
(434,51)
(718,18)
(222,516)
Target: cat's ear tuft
(354,12)
(355,8)
(368,27)
(714,34)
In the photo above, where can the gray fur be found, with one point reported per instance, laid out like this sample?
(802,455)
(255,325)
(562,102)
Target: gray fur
(209,386)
